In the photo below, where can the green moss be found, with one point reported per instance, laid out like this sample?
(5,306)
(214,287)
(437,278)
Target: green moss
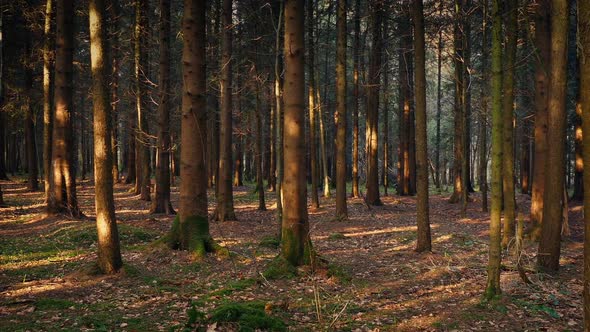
(192,234)
(235,286)
(339,273)
(54,304)
(279,268)
(270,242)
(248,317)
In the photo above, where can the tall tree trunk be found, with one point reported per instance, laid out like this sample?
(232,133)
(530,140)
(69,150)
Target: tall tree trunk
(495,251)
(312,106)
(584,60)
(190,230)
(161,202)
(508,116)
(543,56)
(109,254)
(279,121)
(323,148)
(550,241)
(459,131)
(355,114)
(64,176)
(423,239)
(483,116)
(142,161)
(372,197)
(225,200)
(438,103)
(296,243)
(31,147)
(114,12)
(131,168)
(259,151)
(341,116)
(47,98)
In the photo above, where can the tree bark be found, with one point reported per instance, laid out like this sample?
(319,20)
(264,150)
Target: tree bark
(109,254)
(225,200)
(511,15)
(341,116)
(30,145)
(64,176)
(550,241)
(372,117)
(584,59)
(296,243)
(114,12)
(423,239)
(312,106)
(483,116)
(48,39)
(355,114)
(438,103)
(543,56)
(495,256)
(161,202)
(142,162)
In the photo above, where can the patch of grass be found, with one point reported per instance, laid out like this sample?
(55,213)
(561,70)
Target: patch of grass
(54,304)
(408,238)
(279,268)
(237,285)
(445,326)
(248,317)
(270,242)
(541,308)
(336,236)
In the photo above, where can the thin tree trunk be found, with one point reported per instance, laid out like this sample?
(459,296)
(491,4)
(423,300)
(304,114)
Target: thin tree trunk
(259,151)
(372,197)
(483,118)
(423,239)
(550,241)
(438,103)
(584,60)
(47,98)
(296,242)
(355,116)
(341,116)
(508,116)
(161,202)
(495,256)
(143,182)
(312,106)
(279,121)
(323,152)
(225,201)
(109,254)
(30,146)
(114,12)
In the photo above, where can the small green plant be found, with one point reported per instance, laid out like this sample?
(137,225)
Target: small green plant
(54,304)
(339,273)
(235,286)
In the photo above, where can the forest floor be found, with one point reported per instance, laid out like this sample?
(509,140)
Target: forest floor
(373,280)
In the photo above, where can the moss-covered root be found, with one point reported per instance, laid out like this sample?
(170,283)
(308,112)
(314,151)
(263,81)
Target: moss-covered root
(192,234)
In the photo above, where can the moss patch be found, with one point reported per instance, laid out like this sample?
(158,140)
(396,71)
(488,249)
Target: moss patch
(279,268)
(248,316)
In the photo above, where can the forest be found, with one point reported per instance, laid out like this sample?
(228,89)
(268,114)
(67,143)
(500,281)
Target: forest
(294,165)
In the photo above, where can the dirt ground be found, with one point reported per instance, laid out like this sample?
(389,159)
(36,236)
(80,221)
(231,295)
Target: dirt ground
(373,280)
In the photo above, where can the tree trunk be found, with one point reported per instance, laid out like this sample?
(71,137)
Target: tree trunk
(64,176)
(30,145)
(543,56)
(315,202)
(114,12)
(279,121)
(423,238)
(355,115)
(47,98)
(259,151)
(508,116)
(459,131)
(109,254)
(584,60)
(161,202)
(341,209)
(550,241)
(190,230)
(483,118)
(296,243)
(372,197)
(225,200)
(142,161)
(438,104)
(495,255)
